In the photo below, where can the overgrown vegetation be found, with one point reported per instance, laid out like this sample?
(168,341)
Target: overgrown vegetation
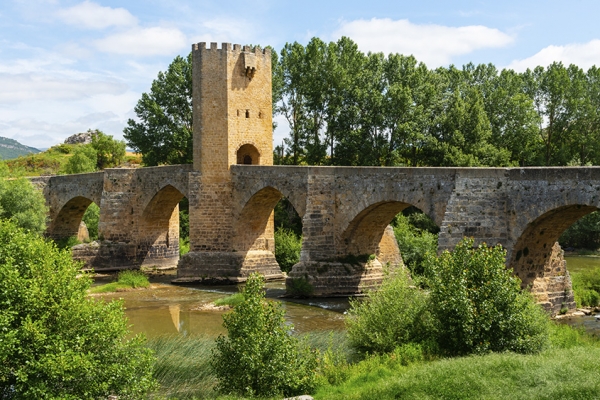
(91,217)
(583,234)
(21,203)
(586,286)
(55,342)
(231,301)
(478,304)
(287,248)
(259,357)
(392,316)
(416,235)
(126,280)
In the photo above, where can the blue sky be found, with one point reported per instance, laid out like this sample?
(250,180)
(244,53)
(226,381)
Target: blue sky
(67,66)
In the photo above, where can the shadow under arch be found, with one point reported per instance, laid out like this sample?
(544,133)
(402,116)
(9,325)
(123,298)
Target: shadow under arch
(533,248)
(248,154)
(364,233)
(158,229)
(67,221)
(255,225)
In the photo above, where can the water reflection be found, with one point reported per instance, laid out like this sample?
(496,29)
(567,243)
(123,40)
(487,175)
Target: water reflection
(168,309)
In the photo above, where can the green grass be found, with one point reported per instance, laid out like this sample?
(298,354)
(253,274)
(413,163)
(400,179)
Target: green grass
(568,369)
(231,301)
(125,280)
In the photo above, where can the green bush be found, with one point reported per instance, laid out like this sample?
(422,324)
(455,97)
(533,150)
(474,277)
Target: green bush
(84,159)
(414,242)
(22,203)
(287,248)
(478,303)
(586,286)
(54,341)
(133,279)
(91,217)
(390,317)
(259,357)
(583,234)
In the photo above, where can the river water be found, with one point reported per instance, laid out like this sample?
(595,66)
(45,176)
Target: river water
(168,309)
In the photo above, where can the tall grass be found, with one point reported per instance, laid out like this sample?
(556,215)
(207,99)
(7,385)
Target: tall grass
(129,279)
(183,367)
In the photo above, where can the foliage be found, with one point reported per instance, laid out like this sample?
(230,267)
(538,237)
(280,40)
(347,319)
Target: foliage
(390,317)
(20,202)
(287,248)
(259,357)
(583,234)
(232,300)
(109,152)
(128,279)
(84,159)
(478,304)
(54,342)
(184,246)
(414,242)
(91,217)
(287,218)
(299,287)
(586,286)
(66,242)
(163,130)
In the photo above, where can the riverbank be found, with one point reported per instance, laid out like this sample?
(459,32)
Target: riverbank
(567,369)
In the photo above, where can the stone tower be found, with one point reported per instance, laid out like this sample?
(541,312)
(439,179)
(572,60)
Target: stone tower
(232,107)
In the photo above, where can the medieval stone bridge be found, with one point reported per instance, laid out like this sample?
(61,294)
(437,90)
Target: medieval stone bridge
(232,188)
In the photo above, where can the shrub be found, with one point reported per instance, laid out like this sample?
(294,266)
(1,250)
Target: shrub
(23,204)
(586,285)
(413,242)
(126,280)
(259,357)
(392,316)
(287,248)
(91,217)
(55,342)
(478,303)
(84,159)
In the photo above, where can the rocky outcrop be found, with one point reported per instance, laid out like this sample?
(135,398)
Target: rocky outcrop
(81,138)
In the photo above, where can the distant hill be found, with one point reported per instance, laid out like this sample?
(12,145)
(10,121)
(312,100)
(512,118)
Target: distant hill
(10,148)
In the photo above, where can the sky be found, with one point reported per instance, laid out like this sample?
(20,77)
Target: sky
(67,66)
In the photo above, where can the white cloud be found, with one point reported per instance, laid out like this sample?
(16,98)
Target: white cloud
(435,45)
(94,16)
(584,55)
(144,42)
(29,86)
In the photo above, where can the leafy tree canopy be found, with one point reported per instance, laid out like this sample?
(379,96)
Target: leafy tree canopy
(163,129)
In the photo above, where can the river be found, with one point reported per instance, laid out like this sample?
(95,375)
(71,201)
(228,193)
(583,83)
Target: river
(170,309)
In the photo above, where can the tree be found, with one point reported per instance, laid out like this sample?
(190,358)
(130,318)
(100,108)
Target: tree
(55,342)
(259,357)
(21,203)
(109,152)
(478,304)
(84,159)
(163,131)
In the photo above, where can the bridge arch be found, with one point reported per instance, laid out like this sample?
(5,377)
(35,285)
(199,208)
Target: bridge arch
(254,227)
(158,229)
(67,220)
(533,247)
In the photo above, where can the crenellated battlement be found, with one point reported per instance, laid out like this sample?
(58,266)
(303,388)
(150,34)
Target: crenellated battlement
(235,48)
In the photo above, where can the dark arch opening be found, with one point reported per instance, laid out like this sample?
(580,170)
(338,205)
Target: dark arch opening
(414,233)
(248,154)
(269,222)
(68,222)
(533,249)
(159,229)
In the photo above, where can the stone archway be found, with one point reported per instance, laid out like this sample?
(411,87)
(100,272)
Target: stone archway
(248,154)
(68,220)
(158,230)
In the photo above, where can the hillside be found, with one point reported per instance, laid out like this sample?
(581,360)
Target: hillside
(10,148)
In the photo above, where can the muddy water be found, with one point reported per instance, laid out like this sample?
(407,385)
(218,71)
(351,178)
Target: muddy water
(169,309)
